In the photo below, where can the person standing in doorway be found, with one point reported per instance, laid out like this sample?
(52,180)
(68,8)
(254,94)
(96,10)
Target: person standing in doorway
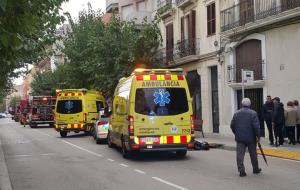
(246,128)
(278,121)
(297,108)
(291,119)
(268,109)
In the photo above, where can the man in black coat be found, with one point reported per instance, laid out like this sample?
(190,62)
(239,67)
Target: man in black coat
(278,120)
(268,109)
(246,128)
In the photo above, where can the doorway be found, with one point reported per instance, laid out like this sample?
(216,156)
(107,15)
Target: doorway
(215,98)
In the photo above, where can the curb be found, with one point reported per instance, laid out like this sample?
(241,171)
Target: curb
(5,183)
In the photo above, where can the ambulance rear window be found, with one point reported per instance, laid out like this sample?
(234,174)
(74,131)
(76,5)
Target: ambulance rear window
(69,106)
(161,101)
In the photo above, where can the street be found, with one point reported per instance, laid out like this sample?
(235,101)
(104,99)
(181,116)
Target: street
(41,159)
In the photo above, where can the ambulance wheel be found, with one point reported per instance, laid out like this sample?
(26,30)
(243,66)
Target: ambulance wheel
(32,125)
(109,143)
(125,152)
(181,153)
(63,133)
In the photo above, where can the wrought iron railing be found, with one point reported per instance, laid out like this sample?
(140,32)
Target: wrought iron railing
(164,6)
(178,2)
(250,10)
(180,50)
(234,72)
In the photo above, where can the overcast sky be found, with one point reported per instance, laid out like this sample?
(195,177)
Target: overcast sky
(74,7)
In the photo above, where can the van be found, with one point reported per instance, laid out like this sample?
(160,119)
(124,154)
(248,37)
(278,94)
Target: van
(77,109)
(152,111)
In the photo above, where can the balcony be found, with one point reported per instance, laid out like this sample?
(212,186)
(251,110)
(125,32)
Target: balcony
(139,17)
(111,5)
(234,74)
(184,51)
(184,3)
(251,14)
(164,8)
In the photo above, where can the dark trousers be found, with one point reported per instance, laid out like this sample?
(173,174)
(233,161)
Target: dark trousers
(291,133)
(270,130)
(240,154)
(298,132)
(278,133)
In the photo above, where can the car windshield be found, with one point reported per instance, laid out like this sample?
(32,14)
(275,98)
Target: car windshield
(161,101)
(69,106)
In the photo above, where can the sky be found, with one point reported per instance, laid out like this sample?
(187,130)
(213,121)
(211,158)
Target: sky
(74,7)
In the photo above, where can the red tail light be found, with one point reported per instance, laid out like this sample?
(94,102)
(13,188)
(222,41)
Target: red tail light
(84,117)
(192,124)
(102,122)
(130,125)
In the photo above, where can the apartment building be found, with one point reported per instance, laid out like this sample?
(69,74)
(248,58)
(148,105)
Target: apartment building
(213,40)
(128,10)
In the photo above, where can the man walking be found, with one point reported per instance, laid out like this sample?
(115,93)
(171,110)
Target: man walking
(246,128)
(278,120)
(297,108)
(268,108)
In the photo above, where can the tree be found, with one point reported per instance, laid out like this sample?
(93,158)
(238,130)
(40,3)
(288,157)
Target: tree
(100,54)
(26,27)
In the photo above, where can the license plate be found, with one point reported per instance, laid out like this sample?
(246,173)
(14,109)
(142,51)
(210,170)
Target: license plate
(63,126)
(149,139)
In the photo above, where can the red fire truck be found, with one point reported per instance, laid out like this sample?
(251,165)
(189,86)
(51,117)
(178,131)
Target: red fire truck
(41,111)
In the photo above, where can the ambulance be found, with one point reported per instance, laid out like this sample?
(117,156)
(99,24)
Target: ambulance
(77,109)
(152,111)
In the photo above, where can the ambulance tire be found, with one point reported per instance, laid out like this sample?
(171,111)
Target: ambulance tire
(63,134)
(32,125)
(181,153)
(125,152)
(109,143)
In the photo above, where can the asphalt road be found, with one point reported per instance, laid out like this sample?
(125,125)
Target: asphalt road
(40,159)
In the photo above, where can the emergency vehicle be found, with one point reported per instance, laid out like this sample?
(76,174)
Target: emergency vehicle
(77,109)
(41,111)
(152,111)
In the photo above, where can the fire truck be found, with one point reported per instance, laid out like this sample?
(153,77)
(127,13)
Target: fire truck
(41,111)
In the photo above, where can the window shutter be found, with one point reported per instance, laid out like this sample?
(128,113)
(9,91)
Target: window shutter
(193,23)
(182,28)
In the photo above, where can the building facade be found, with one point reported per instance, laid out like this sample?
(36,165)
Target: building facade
(213,40)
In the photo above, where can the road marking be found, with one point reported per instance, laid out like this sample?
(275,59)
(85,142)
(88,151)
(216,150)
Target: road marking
(47,154)
(124,165)
(110,159)
(74,145)
(23,155)
(169,183)
(139,171)
(43,133)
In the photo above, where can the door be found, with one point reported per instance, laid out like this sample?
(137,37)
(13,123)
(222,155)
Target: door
(194,82)
(246,11)
(169,42)
(256,97)
(215,98)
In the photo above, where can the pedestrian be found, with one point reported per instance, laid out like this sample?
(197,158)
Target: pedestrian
(297,108)
(291,119)
(268,108)
(278,121)
(246,128)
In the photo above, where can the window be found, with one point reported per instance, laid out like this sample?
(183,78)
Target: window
(100,106)
(211,19)
(161,101)
(69,106)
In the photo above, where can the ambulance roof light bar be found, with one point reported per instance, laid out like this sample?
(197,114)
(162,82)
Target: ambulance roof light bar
(72,90)
(141,71)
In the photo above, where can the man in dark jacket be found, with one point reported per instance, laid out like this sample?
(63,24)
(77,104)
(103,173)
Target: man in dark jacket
(246,128)
(278,120)
(268,108)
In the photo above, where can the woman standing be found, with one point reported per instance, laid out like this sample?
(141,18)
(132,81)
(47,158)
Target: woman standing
(291,119)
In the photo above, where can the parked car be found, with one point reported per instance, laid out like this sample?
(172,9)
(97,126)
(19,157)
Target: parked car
(2,115)
(100,130)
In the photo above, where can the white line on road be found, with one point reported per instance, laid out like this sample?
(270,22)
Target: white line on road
(139,171)
(47,154)
(124,165)
(110,159)
(23,155)
(74,145)
(169,183)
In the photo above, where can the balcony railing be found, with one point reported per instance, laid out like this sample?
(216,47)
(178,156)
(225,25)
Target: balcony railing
(164,6)
(182,49)
(234,72)
(251,10)
(184,3)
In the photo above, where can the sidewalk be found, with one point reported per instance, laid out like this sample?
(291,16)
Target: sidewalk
(5,183)
(227,142)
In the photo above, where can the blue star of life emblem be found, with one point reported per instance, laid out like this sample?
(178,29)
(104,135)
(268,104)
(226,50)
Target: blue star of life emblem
(69,105)
(161,97)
